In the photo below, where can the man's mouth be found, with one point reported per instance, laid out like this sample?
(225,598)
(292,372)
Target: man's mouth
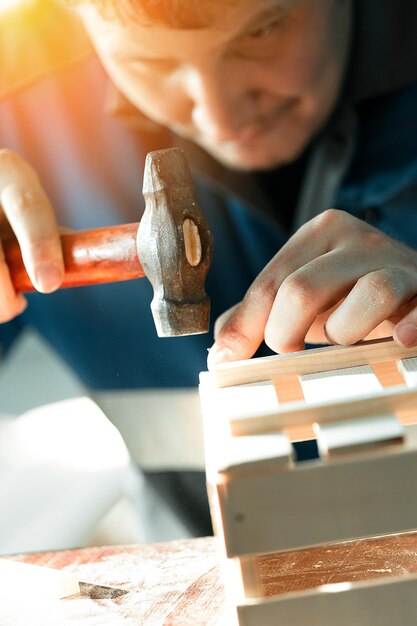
(258,130)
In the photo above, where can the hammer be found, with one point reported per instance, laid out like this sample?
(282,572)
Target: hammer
(171,245)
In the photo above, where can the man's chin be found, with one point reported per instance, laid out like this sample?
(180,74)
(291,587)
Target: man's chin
(245,159)
(245,162)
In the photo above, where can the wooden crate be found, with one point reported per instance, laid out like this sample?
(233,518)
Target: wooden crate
(360,404)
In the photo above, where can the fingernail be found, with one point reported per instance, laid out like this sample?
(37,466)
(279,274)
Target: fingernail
(48,277)
(218,355)
(406,334)
(329,339)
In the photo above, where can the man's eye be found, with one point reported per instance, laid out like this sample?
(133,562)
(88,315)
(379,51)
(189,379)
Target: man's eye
(266,30)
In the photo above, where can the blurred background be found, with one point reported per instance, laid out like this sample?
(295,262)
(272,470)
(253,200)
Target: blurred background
(67,476)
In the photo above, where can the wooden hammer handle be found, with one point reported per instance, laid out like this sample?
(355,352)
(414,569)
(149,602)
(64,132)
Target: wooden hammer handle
(101,255)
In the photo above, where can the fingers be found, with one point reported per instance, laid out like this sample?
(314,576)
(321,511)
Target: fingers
(303,296)
(337,278)
(375,298)
(33,221)
(405,331)
(240,331)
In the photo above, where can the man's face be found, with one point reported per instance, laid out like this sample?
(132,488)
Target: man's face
(252,89)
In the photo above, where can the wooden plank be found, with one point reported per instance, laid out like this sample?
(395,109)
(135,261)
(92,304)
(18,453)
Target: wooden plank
(350,436)
(180,581)
(225,453)
(382,603)
(173,583)
(317,502)
(387,373)
(349,561)
(287,388)
(346,382)
(309,361)
(260,396)
(408,368)
(299,413)
(249,454)
(249,575)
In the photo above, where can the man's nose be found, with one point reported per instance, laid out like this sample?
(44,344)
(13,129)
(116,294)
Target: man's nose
(219,101)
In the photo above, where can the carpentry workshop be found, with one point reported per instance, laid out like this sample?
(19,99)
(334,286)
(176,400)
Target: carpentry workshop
(208,312)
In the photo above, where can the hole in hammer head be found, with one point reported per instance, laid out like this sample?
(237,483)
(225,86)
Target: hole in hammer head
(192,242)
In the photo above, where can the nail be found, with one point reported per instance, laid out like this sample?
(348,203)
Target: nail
(218,355)
(48,277)
(406,334)
(329,339)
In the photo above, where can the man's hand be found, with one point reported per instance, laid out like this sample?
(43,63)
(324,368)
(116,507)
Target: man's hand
(26,211)
(336,280)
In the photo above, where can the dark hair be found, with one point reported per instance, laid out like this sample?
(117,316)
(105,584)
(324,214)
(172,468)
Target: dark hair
(184,14)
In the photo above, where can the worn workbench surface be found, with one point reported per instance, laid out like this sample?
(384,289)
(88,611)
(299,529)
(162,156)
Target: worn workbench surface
(179,583)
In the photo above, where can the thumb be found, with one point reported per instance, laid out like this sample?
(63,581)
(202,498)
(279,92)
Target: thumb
(238,333)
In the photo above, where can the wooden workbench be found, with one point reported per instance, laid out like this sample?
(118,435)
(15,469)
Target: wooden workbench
(179,583)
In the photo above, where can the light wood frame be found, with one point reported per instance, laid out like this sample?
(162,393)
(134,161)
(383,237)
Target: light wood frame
(263,501)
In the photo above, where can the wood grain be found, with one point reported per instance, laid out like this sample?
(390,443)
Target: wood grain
(91,257)
(309,361)
(179,583)
(287,416)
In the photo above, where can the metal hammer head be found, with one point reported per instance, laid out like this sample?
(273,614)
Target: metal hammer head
(174,246)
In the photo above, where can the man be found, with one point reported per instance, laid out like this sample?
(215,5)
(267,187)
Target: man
(286,108)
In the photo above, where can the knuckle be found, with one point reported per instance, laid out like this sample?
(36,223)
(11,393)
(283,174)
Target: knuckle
(298,290)
(329,218)
(262,293)
(234,333)
(380,288)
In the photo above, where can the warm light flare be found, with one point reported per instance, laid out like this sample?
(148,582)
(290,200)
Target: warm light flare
(10,4)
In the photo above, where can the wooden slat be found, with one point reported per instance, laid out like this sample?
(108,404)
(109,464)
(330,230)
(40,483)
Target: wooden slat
(316,502)
(350,561)
(372,603)
(408,368)
(309,361)
(288,388)
(299,413)
(249,454)
(387,373)
(365,434)
(299,433)
(346,382)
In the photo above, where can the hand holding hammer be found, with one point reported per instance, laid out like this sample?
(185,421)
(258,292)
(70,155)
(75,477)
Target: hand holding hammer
(171,245)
